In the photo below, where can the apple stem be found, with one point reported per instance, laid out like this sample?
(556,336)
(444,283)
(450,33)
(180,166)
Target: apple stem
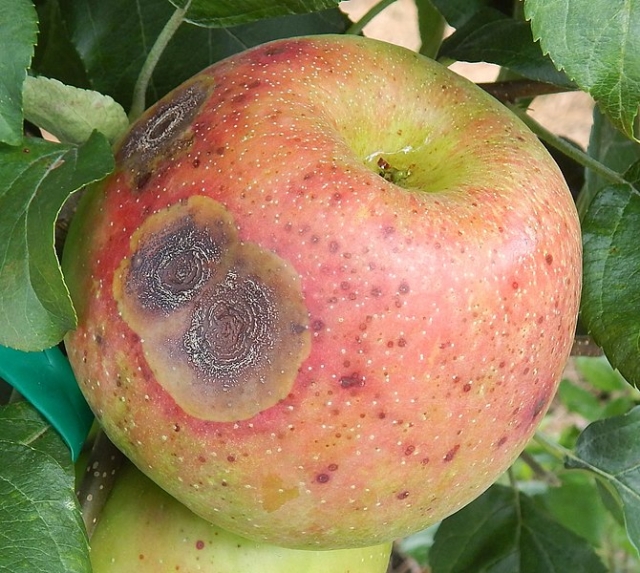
(569,149)
(356,27)
(138,104)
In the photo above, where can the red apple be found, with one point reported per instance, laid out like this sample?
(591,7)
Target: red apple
(143,529)
(327,295)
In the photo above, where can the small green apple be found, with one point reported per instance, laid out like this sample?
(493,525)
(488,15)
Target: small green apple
(328,293)
(144,529)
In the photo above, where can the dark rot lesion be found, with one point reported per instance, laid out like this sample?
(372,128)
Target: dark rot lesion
(231,329)
(175,253)
(172,267)
(164,130)
(223,323)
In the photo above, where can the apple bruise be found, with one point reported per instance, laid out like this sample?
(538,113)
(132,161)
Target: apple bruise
(222,324)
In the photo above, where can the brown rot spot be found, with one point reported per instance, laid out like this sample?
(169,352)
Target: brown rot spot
(451,453)
(175,253)
(223,324)
(353,380)
(169,268)
(231,329)
(164,128)
(538,407)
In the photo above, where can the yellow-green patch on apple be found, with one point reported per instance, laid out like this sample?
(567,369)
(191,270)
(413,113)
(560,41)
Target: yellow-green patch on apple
(143,529)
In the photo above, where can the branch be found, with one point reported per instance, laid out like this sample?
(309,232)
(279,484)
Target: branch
(509,91)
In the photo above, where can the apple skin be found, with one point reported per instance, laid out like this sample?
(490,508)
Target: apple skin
(328,293)
(142,528)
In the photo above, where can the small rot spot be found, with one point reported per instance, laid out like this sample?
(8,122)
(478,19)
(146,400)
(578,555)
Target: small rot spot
(199,544)
(402,342)
(353,380)
(317,325)
(196,162)
(514,285)
(333,246)
(409,450)
(332,467)
(220,150)
(376,292)
(382,416)
(403,288)
(539,407)
(323,478)
(403,495)
(424,461)
(501,441)
(466,387)
(231,459)
(451,453)
(202,459)
(549,258)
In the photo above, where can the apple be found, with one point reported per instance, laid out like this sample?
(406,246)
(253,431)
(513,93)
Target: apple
(142,528)
(328,293)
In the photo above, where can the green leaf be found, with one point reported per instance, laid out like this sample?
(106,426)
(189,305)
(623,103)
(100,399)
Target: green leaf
(55,55)
(576,504)
(579,400)
(611,450)
(491,36)
(113,66)
(40,521)
(610,307)
(613,149)
(458,12)
(222,13)
(431,25)
(18,30)
(504,531)
(598,373)
(70,113)
(596,42)
(35,180)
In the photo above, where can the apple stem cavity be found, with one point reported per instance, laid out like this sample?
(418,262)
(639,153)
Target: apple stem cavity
(392,174)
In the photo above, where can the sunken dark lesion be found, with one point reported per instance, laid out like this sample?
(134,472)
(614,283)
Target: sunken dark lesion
(171,267)
(232,330)
(222,322)
(164,131)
